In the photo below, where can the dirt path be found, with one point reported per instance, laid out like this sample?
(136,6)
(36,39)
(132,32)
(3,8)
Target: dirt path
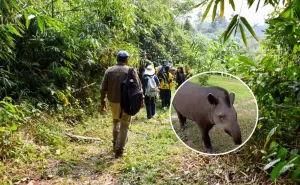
(154,156)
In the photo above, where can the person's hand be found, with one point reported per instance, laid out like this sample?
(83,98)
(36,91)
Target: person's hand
(142,105)
(103,108)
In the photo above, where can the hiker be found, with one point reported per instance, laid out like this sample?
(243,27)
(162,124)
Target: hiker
(159,73)
(172,70)
(180,78)
(155,64)
(166,80)
(150,88)
(111,86)
(187,72)
(144,62)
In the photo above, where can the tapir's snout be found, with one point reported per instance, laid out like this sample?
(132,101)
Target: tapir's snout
(235,133)
(237,141)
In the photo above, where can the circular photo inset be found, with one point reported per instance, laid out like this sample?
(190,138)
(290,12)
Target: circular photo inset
(214,113)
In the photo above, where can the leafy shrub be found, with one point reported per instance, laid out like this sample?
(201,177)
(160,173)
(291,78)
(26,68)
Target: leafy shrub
(280,159)
(11,117)
(202,79)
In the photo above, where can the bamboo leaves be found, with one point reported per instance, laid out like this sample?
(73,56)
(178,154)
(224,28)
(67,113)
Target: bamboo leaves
(257,5)
(232,4)
(13,30)
(215,10)
(28,18)
(243,35)
(238,22)
(232,25)
(41,24)
(222,7)
(196,6)
(207,10)
(245,22)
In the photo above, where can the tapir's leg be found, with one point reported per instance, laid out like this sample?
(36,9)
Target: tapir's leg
(205,137)
(182,120)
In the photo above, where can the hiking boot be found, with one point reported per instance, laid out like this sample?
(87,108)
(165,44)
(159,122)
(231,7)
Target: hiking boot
(119,153)
(114,146)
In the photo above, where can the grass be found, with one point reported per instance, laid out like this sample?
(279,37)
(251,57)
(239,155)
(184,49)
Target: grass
(245,107)
(154,156)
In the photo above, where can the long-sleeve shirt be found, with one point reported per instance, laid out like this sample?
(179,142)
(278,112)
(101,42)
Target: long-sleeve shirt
(169,79)
(180,79)
(111,84)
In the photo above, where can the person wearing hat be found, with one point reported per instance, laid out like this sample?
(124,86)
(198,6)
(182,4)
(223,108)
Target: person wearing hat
(172,70)
(144,62)
(150,99)
(111,86)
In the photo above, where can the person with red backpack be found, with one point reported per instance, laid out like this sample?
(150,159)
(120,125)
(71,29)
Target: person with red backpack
(150,88)
(123,88)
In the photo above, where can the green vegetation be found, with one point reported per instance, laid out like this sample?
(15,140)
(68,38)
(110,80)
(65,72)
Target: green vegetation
(245,107)
(53,54)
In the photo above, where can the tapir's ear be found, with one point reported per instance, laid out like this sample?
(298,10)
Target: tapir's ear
(231,98)
(212,99)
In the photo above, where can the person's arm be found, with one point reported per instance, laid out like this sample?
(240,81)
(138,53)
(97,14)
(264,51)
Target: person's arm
(156,80)
(136,77)
(182,78)
(144,83)
(170,78)
(170,81)
(103,91)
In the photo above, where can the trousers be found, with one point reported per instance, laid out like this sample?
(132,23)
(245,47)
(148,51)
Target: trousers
(150,106)
(120,126)
(165,97)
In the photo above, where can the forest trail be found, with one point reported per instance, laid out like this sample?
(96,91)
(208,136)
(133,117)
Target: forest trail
(154,156)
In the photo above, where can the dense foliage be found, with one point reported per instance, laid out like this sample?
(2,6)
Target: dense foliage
(274,77)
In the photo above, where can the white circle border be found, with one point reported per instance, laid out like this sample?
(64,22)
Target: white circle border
(257,110)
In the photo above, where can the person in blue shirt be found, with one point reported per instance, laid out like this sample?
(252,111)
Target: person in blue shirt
(150,99)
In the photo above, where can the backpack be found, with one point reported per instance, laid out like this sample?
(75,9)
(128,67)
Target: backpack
(165,77)
(161,72)
(151,89)
(131,95)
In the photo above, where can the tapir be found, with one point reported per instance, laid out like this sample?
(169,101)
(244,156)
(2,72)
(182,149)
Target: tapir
(207,106)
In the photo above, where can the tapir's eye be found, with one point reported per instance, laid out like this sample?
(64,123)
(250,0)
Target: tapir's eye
(221,116)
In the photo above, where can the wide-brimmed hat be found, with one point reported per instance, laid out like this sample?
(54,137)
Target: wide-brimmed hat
(149,70)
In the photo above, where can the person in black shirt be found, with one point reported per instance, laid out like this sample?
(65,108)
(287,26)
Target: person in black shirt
(180,78)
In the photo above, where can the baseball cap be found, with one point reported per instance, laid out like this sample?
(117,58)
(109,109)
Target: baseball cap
(123,54)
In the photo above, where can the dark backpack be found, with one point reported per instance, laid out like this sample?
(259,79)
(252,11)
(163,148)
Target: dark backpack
(131,95)
(161,72)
